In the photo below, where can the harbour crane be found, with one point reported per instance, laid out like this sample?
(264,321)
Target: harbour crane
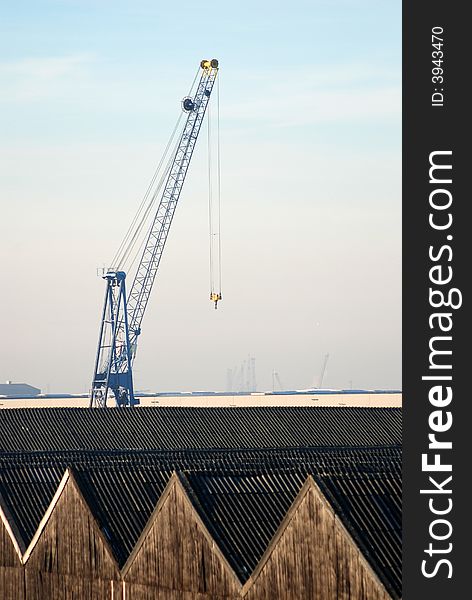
(123,313)
(276,378)
(323,370)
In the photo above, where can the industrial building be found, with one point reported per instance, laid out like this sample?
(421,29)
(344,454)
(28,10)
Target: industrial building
(18,390)
(314,397)
(256,503)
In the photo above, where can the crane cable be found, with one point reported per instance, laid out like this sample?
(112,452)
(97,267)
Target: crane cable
(210,203)
(150,196)
(142,214)
(214,209)
(139,229)
(164,177)
(219,180)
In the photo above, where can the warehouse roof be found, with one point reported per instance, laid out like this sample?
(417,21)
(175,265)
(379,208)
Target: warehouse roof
(28,481)
(242,499)
(241,469)
(18,389)
(244,511)
(197,428)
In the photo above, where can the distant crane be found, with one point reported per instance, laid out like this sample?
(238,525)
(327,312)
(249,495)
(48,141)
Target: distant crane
(122,314)
(253,374)
(229,380)
(243,378)
(276,378)
(323,369)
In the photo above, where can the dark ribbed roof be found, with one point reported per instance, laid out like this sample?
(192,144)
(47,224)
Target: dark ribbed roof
(28,481)
(241,467)
(370,506)
(233,504)
(242,496)
(27,492)
(244,511)
(193,428)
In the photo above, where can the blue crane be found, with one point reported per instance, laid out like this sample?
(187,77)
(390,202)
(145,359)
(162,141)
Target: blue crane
(122,314)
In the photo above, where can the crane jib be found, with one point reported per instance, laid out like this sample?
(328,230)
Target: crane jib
(123,314)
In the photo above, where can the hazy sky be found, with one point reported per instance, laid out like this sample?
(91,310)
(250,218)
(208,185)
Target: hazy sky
(310,95)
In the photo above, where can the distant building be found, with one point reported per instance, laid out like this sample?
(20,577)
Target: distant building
(18,389)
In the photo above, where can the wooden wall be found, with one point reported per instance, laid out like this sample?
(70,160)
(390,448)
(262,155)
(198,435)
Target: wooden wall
(176,556)
(70,558)
(314,557)
(11,570)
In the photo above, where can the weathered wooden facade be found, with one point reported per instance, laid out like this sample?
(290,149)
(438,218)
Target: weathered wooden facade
(11,549)
(313,556)
(177,555)
(259,523)
(69,556)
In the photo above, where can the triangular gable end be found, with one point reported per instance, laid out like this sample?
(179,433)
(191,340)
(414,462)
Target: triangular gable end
(312,555)
(69,540)
(176,550)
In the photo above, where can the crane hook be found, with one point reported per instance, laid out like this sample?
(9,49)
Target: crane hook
(214,298)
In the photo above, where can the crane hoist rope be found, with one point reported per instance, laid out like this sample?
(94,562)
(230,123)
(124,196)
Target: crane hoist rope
(136,240)
(123,312)
(218,157)
(214,205)
(147,203)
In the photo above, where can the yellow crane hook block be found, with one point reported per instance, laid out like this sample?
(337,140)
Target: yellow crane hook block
(214,298)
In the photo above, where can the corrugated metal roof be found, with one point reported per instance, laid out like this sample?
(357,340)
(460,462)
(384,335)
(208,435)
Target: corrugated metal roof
(246,510)
(27,492)
(241,496)
(28,481)
(242,469)
(370,506)
(192,428)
